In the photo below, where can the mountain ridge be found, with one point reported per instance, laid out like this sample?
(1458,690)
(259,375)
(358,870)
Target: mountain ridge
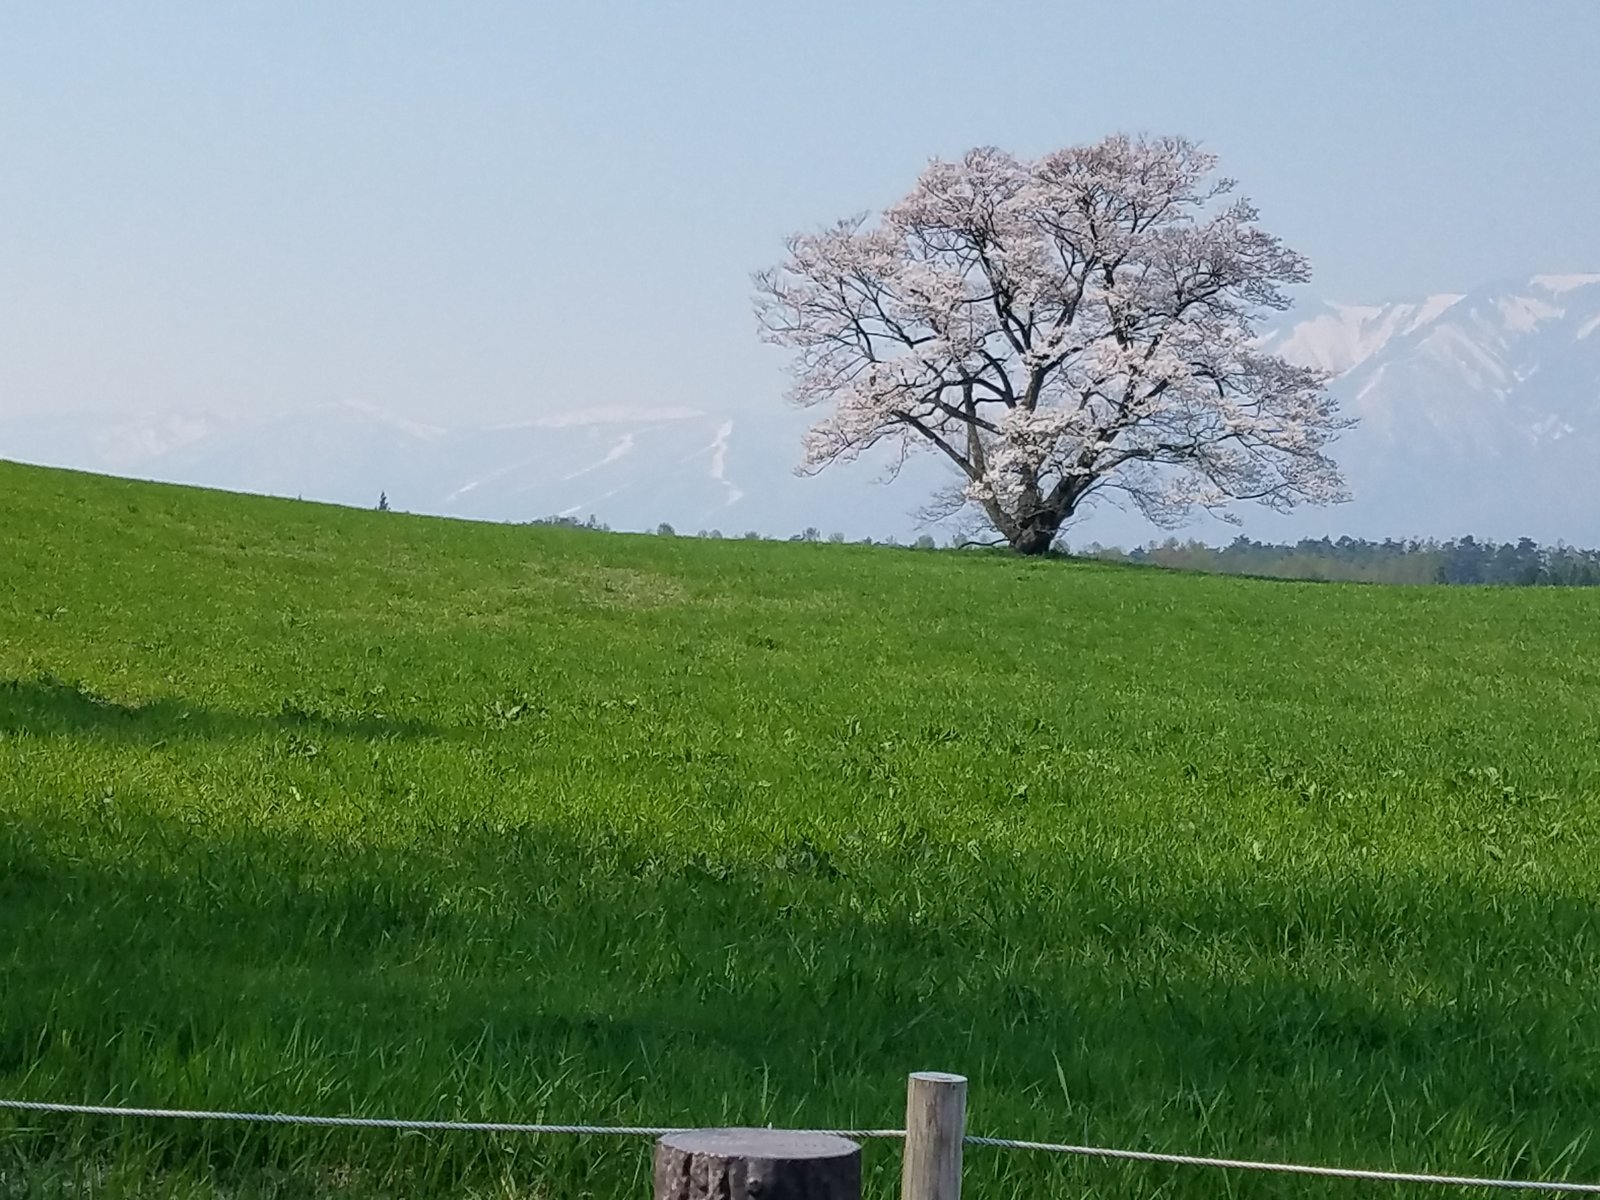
(1477,412)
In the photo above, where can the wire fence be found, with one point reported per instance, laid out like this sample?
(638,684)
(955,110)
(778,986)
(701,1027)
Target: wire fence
(514,1127)
(1245,1164)
(190,1114)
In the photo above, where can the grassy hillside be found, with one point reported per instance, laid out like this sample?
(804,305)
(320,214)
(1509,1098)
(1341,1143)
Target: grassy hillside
(345,812)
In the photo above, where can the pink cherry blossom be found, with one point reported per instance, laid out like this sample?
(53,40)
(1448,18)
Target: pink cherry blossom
(1077,326)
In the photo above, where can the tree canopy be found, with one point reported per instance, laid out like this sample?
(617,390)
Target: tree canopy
(1060,329)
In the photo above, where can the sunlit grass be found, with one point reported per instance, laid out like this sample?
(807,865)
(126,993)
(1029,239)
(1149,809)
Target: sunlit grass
(341,812)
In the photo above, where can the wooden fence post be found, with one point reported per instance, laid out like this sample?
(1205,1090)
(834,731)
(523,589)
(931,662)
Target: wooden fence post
(936,1123)
(746,1164)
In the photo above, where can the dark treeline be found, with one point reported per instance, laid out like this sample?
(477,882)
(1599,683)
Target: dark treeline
(1523,563)
(1465,560)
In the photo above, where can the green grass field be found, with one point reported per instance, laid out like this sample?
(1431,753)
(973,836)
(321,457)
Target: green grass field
(321,810)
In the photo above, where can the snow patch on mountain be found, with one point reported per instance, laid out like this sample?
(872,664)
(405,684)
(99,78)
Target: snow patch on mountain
(621,447)
(1564,283)
(1523,313)
(417,429)
(1456,350)
(719,462)
(1341,337)
(607,414)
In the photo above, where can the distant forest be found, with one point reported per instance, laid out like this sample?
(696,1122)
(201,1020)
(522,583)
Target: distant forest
(1523,563)
(1465,560)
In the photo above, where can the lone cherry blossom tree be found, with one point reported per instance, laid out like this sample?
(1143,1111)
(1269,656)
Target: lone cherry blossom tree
(1059,329)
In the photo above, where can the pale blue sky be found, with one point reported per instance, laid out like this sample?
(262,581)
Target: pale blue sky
(490,210)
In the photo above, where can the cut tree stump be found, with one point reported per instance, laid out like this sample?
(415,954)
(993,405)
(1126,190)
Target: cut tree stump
(756,1164)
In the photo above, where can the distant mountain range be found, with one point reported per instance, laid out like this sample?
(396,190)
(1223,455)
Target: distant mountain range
(1479,413)
(632,468)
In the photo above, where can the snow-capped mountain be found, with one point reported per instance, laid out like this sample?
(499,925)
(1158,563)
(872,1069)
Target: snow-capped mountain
(1339,337)
(1478,413)
(632,468)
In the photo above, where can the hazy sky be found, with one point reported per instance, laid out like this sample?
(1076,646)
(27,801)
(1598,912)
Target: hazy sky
(479,210)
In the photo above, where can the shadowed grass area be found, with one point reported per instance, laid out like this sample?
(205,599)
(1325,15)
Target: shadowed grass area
(342,812)
(48,706)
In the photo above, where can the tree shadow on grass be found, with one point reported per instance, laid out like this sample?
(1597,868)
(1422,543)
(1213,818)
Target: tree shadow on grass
(47,706)
(540,973)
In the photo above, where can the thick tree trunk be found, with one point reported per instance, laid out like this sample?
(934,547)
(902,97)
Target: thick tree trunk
(1033,529)
(1032,540)
(1035,533)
